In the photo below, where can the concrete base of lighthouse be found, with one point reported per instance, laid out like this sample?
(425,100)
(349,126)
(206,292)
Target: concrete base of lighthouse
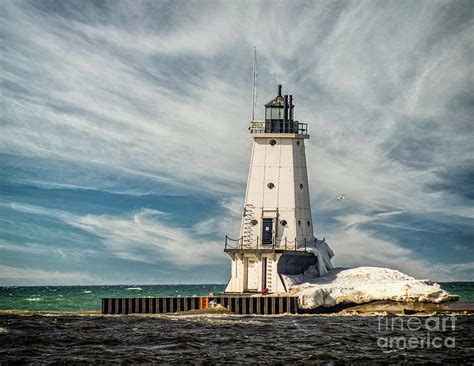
(254,270)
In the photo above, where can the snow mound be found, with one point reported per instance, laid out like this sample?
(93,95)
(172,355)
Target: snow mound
(362,285)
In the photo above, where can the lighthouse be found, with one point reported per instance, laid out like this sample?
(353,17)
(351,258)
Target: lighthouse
(276,236)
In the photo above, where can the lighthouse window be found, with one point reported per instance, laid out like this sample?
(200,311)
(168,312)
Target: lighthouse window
(298,143)
(299,223)
(283,223)
(273,142)
(301,186)
(276,113)
(254,222)
(270,185)
(308,223)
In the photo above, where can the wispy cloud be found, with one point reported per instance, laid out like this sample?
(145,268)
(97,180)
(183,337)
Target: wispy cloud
(136,92)
(143,236)
(357,219)
(227,222)
(355,246)
(30,276)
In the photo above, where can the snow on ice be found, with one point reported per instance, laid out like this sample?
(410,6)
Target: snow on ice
(358,285)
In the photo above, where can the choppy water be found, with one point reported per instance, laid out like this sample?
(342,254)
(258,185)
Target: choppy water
(204,338)
(221,339)
(84,298)
(464,289)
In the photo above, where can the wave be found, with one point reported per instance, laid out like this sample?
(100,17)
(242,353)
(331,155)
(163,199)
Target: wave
(33,299)
(135,288)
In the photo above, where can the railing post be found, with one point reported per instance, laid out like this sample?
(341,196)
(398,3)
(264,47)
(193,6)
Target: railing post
(305,244)
(296,243)
(285,242)
(257,242)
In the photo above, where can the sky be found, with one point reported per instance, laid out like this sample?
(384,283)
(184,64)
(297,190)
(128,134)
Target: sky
(124,147)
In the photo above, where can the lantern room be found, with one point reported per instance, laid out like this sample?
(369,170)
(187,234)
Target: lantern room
(279,113)
(279,109)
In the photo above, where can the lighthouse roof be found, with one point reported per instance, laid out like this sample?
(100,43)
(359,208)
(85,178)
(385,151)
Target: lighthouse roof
(279,101)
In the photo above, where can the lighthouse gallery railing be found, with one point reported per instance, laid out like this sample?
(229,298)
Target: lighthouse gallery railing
(238,244)
(276,126)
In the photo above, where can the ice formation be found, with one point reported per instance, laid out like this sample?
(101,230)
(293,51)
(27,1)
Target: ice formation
(323,285)
(362,285)
(324,254)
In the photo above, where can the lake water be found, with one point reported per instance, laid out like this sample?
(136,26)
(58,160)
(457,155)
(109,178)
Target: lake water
(216,338)
(86,298)
(213,339)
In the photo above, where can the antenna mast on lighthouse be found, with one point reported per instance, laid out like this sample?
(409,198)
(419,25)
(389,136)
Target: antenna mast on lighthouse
(254,86)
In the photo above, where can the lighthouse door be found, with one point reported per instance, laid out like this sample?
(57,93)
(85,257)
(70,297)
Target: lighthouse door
(267,231)
(252,274)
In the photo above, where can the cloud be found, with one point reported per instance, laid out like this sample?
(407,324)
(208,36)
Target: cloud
(119,112)
(37,249)
(227,222)
(141,98)
(357,219)
(16,276)
(356,246)
(143,236)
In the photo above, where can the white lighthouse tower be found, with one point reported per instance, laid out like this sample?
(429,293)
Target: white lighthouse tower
(276,235)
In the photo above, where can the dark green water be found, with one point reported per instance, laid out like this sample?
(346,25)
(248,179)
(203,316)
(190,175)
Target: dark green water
(464,289)
(83,298)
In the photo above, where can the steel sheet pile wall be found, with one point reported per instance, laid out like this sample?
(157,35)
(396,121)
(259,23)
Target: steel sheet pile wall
(262,305)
